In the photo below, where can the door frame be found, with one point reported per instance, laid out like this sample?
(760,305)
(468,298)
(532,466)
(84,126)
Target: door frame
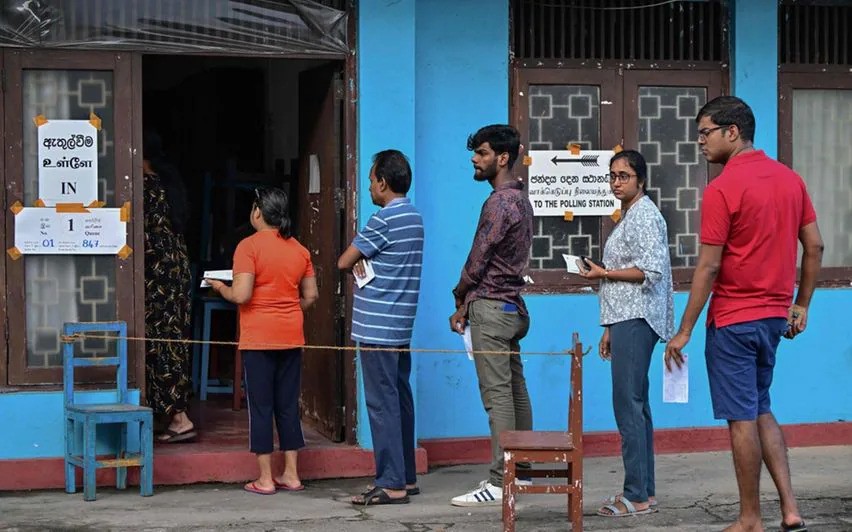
(15,62)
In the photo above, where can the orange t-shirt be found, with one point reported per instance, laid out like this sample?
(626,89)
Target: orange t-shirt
(272,317)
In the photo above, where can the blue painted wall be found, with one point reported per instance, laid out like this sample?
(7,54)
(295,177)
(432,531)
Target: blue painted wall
(386,115)
(32,426)
(461,83)
(754,65)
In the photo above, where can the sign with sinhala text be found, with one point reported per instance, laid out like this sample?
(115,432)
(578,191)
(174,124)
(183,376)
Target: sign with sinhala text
(561,182)
(44,231)
(67,161)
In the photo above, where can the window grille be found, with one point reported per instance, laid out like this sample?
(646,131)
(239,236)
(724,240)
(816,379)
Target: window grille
(815,33)
(624,30)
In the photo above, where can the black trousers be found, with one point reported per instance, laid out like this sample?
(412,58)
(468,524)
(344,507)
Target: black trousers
(272,381)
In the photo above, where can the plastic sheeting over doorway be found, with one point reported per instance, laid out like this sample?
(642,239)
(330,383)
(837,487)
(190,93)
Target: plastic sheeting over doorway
(280,27)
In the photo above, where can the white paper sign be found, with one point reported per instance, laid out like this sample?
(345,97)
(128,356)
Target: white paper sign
(67,162)
(43,231)
(468,342)
(676,383)
(560,182)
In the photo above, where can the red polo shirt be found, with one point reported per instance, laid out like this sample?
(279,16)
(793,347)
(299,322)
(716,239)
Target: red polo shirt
(754,209)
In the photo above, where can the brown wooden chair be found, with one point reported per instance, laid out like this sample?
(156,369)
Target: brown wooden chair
(562,448)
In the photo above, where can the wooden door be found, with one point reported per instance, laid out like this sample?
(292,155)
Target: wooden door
(42,292)
(319,207)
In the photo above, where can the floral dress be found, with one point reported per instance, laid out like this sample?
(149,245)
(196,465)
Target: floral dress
(167,304)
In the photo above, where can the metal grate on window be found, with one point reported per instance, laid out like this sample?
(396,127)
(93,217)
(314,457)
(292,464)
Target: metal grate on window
(637,30)
(815,33)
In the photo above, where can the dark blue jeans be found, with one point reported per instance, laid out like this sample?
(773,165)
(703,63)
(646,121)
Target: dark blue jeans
(390,406)
(632,343)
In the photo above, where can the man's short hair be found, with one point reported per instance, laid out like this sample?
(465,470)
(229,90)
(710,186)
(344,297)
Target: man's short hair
(502,139)
(392,167)
(730,111)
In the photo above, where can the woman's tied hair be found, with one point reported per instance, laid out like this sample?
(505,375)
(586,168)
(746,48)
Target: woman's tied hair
(274,206)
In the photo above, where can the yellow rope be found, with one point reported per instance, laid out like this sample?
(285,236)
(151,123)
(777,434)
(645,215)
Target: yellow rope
(80,336)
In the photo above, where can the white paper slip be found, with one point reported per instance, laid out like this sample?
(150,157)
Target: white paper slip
(219,275)
(571,263)
(468,343)
(676,383)
(369,274)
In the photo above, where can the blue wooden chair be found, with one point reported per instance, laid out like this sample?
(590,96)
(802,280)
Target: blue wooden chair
(89,416)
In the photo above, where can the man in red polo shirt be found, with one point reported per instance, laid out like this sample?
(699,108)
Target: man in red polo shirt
(752,216)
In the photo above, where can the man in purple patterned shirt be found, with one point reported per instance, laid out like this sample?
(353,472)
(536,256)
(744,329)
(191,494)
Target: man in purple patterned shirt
(488,298)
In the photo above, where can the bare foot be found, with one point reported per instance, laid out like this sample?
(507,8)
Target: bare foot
(739,526)
(180,424)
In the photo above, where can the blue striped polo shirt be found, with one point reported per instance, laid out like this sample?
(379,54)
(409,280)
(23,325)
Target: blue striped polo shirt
(383,310)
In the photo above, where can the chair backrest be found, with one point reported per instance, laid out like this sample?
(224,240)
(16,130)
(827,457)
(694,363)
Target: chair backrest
(119,360)
(575,403)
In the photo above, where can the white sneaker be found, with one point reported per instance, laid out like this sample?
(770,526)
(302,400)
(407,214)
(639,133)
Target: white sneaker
(486,494)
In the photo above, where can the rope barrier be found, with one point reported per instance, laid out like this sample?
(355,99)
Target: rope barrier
(82,336)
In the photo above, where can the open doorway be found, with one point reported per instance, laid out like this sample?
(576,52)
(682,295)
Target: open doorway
(231,124)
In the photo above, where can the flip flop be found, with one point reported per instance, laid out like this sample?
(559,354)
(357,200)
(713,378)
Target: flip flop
(251,487)
(412,491)
(612,499)
(287,487)
(377,496)
(798,527)
(614,510)
(178,437)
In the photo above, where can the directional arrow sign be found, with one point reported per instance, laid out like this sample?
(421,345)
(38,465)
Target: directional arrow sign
(584,160)
(561,183)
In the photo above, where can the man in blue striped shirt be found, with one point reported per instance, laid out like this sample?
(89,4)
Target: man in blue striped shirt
(382,321)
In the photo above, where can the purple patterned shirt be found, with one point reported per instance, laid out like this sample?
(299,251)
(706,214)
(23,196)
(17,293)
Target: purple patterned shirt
(501,249)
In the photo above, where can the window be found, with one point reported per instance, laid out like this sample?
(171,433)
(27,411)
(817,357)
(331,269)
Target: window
(634,77)
(815,122)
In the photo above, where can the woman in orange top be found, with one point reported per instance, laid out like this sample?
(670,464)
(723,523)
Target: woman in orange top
(273,284)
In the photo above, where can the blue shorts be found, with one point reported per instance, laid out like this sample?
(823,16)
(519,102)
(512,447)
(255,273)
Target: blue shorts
(740,359)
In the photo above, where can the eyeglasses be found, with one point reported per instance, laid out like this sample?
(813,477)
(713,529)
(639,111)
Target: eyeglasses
(702,133)
(622,177)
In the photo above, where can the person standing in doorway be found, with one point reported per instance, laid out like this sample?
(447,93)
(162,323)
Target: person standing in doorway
(167,293)
(488,298)
(751,218)
(382,322)
(637,310)
(273,285)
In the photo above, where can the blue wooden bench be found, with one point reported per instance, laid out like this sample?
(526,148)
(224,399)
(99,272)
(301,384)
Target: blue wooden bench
(89,416)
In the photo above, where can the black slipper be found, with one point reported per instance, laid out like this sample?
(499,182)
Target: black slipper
(798,527)
(178,437)
(412,491)
(377,496)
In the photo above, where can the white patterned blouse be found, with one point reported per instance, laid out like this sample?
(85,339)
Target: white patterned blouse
(640,239)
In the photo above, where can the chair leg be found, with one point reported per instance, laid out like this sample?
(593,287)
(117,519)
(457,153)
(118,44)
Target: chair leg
(575,499)
(70,481)
(205,355)
(146,447)
(121,452)
(90,466)
(238,381)
(509,474)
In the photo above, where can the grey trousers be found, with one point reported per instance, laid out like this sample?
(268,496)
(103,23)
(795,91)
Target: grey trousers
(632,343)
(501,377)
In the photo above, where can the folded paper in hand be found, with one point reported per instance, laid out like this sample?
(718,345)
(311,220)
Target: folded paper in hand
(676,383)
(571,263)
(219,275)
(468,343)
(369,274)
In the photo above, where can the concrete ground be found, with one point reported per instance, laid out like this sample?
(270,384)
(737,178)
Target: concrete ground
(696,492)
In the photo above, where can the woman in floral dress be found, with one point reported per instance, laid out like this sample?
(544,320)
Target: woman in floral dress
(167,293)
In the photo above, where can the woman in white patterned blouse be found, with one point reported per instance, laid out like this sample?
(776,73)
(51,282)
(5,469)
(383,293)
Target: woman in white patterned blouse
(637,311)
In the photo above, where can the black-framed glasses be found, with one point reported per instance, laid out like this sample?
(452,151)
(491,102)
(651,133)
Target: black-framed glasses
(702,133)
(622,177)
